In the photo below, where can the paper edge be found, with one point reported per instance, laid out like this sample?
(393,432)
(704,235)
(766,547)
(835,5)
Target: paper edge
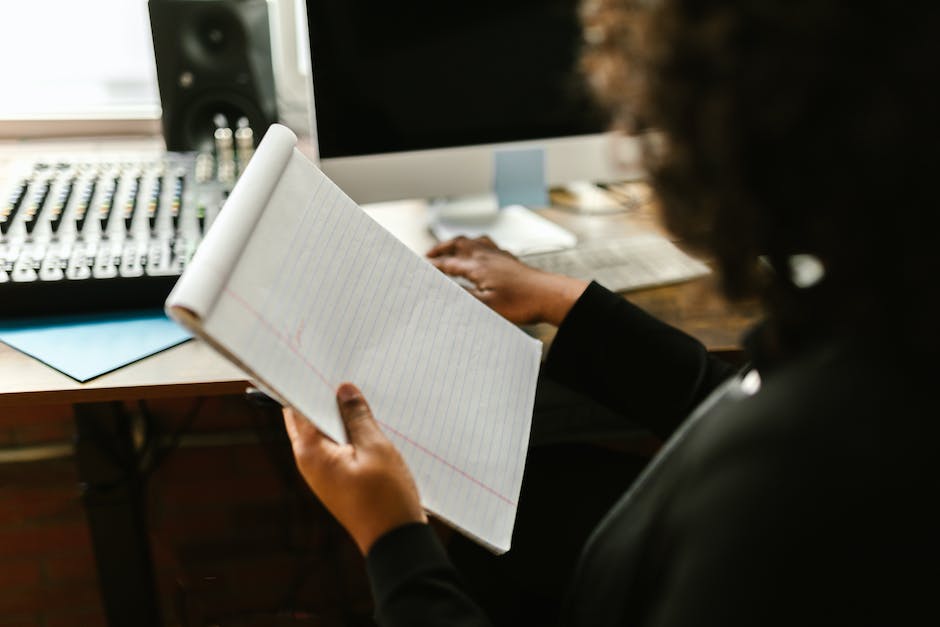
(190,320)
(198,292)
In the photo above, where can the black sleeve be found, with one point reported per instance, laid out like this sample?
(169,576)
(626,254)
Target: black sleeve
(414,583)
(616,353)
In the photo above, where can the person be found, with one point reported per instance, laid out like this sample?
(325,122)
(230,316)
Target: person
(794,143)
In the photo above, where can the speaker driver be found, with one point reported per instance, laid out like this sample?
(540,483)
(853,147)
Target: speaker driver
(213,57)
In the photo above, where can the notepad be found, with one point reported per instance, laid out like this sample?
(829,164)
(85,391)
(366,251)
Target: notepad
(301,289)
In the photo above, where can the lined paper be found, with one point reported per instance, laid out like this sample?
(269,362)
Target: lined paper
(322,294)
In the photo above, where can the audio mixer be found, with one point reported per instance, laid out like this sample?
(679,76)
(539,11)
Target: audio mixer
(106,232)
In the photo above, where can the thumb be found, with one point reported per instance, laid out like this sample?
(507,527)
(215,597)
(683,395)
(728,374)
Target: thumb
(357,416)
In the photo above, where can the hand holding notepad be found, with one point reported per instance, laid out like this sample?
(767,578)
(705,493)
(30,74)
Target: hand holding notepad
(303,290)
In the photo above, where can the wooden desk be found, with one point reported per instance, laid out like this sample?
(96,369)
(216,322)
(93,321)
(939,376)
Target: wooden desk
(697,307)
(192,369)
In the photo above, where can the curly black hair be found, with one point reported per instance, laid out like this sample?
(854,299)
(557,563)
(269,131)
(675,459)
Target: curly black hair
(788,128)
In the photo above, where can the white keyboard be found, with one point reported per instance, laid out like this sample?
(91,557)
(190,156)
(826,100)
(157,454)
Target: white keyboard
(624,263)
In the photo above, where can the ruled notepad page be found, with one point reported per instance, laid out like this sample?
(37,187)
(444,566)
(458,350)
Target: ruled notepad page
(322,294)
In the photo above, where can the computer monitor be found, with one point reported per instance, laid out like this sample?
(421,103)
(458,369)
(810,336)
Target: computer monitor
(413,99)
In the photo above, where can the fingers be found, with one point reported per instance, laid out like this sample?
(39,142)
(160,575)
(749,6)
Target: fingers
(290,424)
(443,248)
(305,437)
(456,266)
(361,427)
(357,416)
(487,242)
(298,427)
(461,246)
(450,247)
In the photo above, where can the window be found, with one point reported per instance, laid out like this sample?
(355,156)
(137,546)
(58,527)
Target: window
(68,59)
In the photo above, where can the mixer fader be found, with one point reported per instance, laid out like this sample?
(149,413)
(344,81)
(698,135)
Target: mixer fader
(104,232)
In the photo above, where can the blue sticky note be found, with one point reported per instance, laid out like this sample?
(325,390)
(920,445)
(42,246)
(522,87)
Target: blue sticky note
(519,177)
(86,346)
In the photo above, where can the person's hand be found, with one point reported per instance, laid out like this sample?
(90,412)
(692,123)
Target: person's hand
(519,293)
(365,484)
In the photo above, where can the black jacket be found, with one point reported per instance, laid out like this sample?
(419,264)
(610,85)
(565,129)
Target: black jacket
(806,501)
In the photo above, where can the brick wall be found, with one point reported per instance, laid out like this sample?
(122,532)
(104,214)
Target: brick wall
(236,537)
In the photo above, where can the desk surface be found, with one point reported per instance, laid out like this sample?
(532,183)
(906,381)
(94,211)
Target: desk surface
(193,369)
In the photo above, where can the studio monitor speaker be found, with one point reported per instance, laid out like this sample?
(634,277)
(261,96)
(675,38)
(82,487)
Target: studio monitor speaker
(213,57)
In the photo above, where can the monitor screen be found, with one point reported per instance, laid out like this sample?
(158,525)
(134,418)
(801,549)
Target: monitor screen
(395,83)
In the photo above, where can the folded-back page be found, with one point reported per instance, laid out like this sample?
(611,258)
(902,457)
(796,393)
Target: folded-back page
(196,292)
(322,294)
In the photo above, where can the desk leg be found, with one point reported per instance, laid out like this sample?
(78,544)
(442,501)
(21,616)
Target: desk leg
(114,498)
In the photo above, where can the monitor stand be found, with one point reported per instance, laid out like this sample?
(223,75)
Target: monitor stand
(503,214)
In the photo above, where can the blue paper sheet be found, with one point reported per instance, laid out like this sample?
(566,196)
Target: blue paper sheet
(84,347)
